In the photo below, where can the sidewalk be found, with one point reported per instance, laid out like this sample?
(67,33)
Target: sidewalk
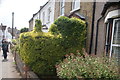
(8,68)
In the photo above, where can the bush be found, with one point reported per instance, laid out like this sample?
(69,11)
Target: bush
(72,30)
(38,26)
(75,67)
(41,50)
(15,47)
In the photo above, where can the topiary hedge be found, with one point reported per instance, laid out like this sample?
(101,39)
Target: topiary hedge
(41,51)
(72,30)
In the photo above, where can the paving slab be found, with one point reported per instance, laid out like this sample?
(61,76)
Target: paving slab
(8,68)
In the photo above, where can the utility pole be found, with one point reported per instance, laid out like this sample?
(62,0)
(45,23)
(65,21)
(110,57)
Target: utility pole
(12,24)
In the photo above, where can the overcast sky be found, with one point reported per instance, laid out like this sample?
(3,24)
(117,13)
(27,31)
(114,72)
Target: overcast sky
(23,11)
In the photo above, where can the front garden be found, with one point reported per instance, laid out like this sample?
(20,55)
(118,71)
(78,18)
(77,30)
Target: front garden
(47,54)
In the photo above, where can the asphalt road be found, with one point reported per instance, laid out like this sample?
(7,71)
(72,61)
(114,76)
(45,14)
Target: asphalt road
(8,68)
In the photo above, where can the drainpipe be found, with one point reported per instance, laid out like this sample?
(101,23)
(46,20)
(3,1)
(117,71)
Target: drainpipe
(92,29)
(97,28)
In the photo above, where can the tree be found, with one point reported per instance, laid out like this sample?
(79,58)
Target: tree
(24,30)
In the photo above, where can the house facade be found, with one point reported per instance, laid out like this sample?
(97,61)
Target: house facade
(101,19)
(105,39)
(31,24)
(45,14)
(111,16)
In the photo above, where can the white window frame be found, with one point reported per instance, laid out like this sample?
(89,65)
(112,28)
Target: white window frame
(43,15)
(74,5)
(49,13)
(62,6)
(113,45)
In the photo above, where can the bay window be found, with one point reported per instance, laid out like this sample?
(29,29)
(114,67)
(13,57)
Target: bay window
(115,40)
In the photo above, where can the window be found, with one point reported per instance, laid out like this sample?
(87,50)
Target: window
(115,40)
(62,5)
(76,4)
(49,12)
(43,18)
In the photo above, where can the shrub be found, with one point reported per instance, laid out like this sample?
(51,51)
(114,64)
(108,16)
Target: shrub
(41,50)
(15,46)
(75,67)
(38,26)
(72,31)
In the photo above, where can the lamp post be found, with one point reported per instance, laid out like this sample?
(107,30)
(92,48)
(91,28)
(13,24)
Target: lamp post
(12,24)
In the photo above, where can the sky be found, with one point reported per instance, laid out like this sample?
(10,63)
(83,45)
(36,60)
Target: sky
(23,11)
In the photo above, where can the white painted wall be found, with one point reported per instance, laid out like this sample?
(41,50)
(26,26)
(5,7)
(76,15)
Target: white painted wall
(51,4)
(34,18)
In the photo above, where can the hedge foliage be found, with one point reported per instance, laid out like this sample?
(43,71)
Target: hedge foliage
(14,45)
(79,67)
(41,51)
(72,30)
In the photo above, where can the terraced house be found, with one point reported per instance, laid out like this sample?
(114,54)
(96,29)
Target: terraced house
(97,16)
(45,14)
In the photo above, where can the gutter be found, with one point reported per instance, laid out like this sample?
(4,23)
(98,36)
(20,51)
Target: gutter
(92,29)
(97,28)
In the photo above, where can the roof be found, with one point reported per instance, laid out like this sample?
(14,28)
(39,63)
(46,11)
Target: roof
(77,14)
(31,19)
(108,4)
(39,10)
(44,5)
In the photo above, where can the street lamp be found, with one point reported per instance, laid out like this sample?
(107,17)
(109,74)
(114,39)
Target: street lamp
(12,23)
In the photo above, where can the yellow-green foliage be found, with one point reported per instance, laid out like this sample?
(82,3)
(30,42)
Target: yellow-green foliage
(41,50)
(73,31)
(38,26)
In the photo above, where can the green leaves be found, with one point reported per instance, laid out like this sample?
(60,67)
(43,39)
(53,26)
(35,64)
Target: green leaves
(88,67)
(72,30)
(38,26)
(41,51)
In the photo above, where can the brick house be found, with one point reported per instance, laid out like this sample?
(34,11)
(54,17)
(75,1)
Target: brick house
(111,21)
(72,8)
(96,15)
(90,13)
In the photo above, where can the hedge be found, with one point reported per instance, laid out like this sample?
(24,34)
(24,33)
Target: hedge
(41,51)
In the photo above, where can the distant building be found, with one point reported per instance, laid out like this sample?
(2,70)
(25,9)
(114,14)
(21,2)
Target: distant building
(3,28)
(16,32)
(31,24)
(4,34)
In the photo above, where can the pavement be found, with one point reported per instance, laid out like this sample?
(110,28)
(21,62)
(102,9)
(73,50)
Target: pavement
(8,68)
